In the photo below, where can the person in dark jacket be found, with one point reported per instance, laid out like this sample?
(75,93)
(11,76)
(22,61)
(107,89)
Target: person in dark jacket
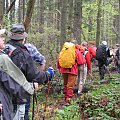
(103,63)
(118,59)
(23,60)
(12,83)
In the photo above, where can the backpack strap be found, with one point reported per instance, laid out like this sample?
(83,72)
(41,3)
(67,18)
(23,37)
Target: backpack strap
(9,49)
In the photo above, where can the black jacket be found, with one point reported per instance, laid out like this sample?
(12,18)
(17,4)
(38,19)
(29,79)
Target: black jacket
(21,57)
(118,53)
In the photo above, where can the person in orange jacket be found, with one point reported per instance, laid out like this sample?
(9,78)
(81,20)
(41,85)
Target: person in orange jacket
(69,75)
(92,49)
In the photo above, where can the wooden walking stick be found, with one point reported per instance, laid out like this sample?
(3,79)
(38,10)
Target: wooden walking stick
(47,95)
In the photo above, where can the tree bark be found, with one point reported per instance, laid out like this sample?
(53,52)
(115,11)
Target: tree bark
(98,22)
(63,22)
(58,14)
(77,20)
(70,19)
(41,16)
(30,8)
(118,40)
(1,13)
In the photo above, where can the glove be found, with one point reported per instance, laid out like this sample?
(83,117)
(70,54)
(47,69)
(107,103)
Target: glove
(51,71)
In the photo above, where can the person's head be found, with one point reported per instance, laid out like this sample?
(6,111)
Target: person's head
(2,38)
(91,43)
(84,44)
(17,32)
(104,43)
(117,45)
(74,42)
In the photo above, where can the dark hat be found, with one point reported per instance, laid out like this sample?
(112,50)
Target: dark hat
(17,32)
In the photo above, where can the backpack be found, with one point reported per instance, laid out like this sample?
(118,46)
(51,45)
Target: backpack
(67,55)
(12,51)
(9,49)
(101,53)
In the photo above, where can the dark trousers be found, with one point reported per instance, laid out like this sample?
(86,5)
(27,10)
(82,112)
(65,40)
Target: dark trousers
(27,107)
(102,69)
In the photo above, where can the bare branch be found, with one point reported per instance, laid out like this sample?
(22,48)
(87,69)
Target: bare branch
(11,5)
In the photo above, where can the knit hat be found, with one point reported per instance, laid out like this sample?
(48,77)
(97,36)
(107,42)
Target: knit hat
(104,43)
(92,43)
(17,32)
(84,44)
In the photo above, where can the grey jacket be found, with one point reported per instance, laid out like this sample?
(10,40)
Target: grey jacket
(12,83)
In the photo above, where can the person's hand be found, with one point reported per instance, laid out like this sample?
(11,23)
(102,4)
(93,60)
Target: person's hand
(1,107)
(36,86)
(51,71)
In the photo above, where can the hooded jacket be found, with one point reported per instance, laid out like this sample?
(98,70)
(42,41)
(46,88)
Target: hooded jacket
(12,84)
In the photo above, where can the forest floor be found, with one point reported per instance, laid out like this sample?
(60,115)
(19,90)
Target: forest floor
(99,101)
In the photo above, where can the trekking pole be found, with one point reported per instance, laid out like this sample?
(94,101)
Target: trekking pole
(47,95)
(34,100)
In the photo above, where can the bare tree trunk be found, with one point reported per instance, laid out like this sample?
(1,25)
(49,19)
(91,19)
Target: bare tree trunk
(118,40)
(30,8)
(50,14)
(23,9)
(90,19)
(6,5)
(19,13)
(41,16)
(77,20)
(1,13)
(58,14)
(63,22)
(12,10)
(98,23)
(70,19)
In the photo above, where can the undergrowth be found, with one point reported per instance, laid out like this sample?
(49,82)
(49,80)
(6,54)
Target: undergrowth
(101,102)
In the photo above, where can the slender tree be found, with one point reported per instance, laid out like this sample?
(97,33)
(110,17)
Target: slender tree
(58,13)
(41,16)
(118,40)
(63,21)
(77,20)
(30,8)
(1,13)
(98,22)
(70,18)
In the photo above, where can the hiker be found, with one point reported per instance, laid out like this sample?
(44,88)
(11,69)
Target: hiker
(92,49)
(12,83)
(82,69)
(36,56)
(118,59)
(102,55)
(20,56)
(87,67)
(69,54)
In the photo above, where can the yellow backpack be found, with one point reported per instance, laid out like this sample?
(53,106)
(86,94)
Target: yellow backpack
(67,55)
